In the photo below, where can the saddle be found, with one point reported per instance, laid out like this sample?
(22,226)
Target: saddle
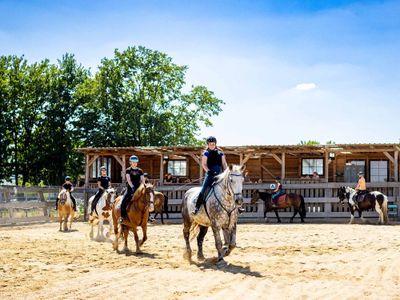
(358,197)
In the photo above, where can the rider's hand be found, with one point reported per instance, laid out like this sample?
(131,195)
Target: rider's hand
(211,173)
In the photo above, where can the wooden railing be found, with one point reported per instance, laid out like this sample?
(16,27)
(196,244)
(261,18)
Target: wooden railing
(18,204)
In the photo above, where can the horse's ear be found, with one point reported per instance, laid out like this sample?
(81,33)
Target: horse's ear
(230,167)
(242,168)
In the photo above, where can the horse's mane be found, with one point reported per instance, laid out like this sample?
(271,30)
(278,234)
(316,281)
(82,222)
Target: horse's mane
(225,175)
(139,192)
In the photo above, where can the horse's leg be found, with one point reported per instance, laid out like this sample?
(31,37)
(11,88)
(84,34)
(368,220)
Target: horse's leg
(200,239)
(379,211)
(186,234)
(162,215)
(218,244)
(230,240)
(137,242)
(351,216)
(100,235)
(144,230)
(125,232)
(294,214)
(60,220)
(277,216)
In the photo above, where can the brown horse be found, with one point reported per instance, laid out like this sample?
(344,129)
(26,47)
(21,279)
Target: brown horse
(66,211)
(138,215)
(284,201)
(160,206)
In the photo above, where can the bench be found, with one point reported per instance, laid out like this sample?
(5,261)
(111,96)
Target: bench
(393,210)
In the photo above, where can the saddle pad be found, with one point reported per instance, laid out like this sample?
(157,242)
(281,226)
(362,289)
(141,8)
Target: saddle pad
(282,199)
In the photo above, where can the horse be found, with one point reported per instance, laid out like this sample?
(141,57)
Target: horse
(371,200)
(284,201)
(101,212)
(160,206)
(65,210)
(138,216)
(220,211)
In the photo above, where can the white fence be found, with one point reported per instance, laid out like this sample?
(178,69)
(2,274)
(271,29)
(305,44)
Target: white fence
(28,204)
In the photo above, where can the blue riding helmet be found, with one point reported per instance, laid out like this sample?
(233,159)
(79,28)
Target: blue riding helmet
(134,158)
(211,139)
(67,178)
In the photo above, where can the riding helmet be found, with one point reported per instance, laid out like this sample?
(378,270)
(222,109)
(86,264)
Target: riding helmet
(67,178)
(134,158)
(103,168)
(211,139)
(360,173)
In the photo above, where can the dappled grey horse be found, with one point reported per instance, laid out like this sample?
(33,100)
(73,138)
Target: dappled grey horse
(219,212)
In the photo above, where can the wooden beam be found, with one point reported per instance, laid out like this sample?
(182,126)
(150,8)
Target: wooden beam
(268,171)
(396,166)
(196,158)
(389,156)
(326,166)
(277,158)
(201,166)
(87,172)
(161,169)
(245,159)
(283,171)
(123,168)
(397,148)
(119,161)
(241,159)
(91,161)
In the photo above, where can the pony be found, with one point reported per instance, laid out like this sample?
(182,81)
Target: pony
(287,200)
(65,210)
(371,200)
(220,211)
(160,206)
(138,216)
(101,212)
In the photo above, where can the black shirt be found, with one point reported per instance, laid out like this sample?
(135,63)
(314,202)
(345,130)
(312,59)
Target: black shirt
(104,181)
(214,158)
(67,186)
(135,175)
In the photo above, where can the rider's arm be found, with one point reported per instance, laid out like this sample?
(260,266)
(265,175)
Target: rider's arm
(224,163)
(109,183)
(358,186)
(128,180)
(99,185)
(142,180)
(204,163)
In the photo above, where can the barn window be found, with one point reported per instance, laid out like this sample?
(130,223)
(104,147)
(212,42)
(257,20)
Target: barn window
(379,170)
(177,167)
(309,165)
(101,161)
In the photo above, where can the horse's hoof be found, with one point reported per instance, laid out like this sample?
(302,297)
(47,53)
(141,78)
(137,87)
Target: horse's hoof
(201,257)
(187,255)
(221,263)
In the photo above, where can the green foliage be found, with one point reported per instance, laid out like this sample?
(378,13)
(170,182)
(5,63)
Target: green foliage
(135,99)
(310,142)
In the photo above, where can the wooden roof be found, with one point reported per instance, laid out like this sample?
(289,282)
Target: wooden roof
(248,149)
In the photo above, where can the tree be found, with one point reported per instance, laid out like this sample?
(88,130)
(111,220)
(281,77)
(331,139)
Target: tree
(136,99)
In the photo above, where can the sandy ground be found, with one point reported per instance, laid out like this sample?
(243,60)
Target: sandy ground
(311,261)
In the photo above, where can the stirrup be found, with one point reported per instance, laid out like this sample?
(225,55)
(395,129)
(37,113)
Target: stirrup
(121,220)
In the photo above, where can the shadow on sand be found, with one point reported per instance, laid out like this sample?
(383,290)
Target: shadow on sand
(210,263)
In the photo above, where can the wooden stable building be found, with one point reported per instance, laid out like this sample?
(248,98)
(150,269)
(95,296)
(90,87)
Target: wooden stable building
(293,163)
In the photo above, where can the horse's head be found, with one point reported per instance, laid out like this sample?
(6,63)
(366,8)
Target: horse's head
(235,182)
(63,197)
(343,193)
(149,196)
(110,195)
(255,196)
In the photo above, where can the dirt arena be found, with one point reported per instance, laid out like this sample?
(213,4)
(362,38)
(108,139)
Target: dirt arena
(295,261)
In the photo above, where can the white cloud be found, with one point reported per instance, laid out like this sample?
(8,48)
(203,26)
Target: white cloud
(306,86)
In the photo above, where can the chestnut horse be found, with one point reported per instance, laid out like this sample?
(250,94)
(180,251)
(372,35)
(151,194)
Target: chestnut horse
(284,201)
(65,210)
(160,206)
(138,216)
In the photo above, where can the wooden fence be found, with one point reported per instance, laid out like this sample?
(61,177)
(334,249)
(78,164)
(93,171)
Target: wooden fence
(31,204)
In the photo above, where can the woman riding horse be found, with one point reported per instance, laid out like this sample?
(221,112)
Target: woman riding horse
(213,163)
(67,185)
(103,183)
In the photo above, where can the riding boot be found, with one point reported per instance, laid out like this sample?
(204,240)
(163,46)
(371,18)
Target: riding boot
(57,204)
(199,202)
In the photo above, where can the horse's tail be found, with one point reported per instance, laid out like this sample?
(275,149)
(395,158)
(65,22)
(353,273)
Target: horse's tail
(385,209)
(194,231)
(302,210)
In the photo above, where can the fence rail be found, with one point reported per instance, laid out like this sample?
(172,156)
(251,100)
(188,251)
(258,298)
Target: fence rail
(30,204)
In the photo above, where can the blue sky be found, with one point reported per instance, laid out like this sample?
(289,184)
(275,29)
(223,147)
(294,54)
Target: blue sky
(287,70)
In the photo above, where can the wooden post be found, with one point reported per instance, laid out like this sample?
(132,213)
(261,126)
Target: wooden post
(326,166)
(396,166)
(123,169)
(87,171)
(161,169)
(283,166)
(201,167)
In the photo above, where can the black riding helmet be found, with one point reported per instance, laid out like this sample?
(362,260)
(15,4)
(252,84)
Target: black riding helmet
(211,139)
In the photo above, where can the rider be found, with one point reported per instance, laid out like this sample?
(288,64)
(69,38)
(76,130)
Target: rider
(361,187)
(103,183)
(213,163)
(69,187)
(276,192)
(134,177)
